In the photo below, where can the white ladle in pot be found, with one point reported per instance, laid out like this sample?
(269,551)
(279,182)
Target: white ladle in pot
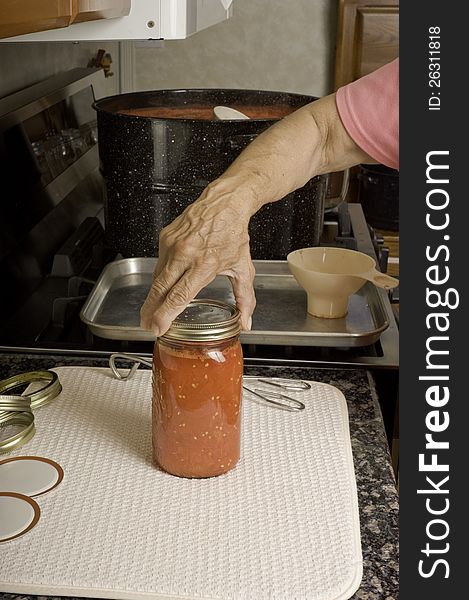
(331,275)
(225,113)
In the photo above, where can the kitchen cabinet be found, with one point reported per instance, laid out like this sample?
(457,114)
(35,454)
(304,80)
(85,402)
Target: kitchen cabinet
(25,16)
(92,10)
(367,37)
(18,17)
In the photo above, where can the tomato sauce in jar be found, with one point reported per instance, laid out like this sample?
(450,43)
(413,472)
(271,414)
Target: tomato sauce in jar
(197,383)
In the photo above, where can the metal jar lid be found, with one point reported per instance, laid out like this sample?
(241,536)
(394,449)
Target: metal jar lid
(205,320)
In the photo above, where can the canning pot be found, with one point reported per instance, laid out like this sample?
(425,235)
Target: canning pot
(378,193)
(159,149)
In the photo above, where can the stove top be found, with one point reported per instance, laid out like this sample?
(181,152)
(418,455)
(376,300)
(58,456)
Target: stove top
(47,319)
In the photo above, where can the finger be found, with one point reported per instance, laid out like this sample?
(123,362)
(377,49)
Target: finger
(162,260)
(178,297)
(164,279)
(243,289)
(163,247)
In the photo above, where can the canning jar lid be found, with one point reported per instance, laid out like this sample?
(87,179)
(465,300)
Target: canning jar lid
(205,320)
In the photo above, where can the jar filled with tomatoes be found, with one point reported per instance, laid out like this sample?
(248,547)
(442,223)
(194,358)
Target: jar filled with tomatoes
(197,383)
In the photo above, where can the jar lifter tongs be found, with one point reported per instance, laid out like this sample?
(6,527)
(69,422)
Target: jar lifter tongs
(277,399)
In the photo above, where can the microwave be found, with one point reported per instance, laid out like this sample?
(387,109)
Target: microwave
(142,20)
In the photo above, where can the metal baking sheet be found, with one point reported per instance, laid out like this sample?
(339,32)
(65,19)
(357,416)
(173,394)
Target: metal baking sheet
(112,309)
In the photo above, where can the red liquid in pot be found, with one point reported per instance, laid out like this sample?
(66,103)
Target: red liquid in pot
(197,407)
(205,113)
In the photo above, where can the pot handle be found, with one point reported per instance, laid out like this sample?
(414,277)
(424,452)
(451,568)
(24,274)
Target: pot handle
(336,200)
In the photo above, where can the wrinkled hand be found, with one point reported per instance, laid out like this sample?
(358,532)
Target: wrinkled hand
(209,238)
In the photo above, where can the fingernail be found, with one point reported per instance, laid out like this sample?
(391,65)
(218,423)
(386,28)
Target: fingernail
(249,323)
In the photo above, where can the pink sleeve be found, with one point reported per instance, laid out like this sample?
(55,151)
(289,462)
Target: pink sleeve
(369,110)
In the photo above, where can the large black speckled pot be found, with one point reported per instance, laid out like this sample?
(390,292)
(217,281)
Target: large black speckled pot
(154,167)
(378,193)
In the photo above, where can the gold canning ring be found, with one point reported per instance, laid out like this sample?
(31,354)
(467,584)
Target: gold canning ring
(16,410)
(39,397)
(24,419)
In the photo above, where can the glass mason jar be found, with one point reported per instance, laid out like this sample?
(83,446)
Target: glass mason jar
(197,383)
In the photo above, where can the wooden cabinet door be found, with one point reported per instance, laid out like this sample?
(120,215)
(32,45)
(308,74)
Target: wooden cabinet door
(91,10)
(27,16)
(367,37)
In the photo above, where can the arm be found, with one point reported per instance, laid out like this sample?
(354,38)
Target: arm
(211,236)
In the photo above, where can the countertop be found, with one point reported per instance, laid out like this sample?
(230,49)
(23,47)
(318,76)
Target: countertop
(377,493)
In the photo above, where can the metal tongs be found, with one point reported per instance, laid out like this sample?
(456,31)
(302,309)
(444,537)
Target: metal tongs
(137,360)
(277,399)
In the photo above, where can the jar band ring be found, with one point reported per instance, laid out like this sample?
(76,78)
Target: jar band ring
(17,410)
(23,419)
(39,397)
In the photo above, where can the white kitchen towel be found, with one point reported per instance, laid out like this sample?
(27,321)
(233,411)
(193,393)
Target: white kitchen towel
(283,525)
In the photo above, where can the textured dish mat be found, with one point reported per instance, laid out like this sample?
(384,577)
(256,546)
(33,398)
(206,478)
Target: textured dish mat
(282,526)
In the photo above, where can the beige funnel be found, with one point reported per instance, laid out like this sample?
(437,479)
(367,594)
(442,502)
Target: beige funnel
(331,275)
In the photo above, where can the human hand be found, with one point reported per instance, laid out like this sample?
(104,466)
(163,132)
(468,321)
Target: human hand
(209,238)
